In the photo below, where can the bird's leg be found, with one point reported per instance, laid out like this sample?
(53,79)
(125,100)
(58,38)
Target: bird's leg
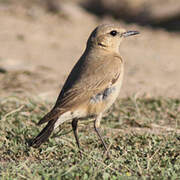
(97,129)
(74,127)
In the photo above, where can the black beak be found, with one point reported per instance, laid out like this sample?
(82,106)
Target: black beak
(130,33)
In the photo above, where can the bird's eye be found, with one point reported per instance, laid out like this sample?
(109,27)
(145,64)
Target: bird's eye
(113,33)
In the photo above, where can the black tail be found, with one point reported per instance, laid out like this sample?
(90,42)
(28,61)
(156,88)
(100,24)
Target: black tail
(43,135)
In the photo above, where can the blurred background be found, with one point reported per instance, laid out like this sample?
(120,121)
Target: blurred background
(41,40)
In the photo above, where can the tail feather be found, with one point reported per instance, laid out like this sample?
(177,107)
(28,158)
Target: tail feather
(43,135)
(48,117)
(53,114)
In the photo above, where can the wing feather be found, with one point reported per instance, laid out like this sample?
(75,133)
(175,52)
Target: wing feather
(85,80)
(94,80)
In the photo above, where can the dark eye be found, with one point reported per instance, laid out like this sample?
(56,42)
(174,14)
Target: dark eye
(113,33)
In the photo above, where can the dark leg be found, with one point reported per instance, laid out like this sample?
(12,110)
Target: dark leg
(96,127)
(74,127)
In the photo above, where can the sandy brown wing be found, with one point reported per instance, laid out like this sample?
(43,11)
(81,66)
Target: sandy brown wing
(95,78)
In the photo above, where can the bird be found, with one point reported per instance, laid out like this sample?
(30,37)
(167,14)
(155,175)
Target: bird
(92,86)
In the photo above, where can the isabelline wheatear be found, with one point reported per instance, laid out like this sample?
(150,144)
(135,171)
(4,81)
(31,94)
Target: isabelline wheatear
(93,84)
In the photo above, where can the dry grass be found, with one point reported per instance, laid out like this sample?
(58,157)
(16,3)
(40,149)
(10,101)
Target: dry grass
(142,135)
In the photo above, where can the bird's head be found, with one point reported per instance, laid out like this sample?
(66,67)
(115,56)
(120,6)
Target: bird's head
(108,36)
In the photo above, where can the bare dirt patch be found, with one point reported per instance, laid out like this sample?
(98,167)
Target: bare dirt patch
(48,45)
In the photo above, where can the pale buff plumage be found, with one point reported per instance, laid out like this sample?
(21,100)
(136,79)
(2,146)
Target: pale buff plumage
(93,84)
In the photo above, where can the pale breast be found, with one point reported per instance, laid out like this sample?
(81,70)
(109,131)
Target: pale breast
(103,100)
(102,96)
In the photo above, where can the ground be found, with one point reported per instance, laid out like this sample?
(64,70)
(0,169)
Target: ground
(38,50)
(46,46)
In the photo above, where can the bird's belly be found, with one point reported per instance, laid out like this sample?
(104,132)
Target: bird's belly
(102,101)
